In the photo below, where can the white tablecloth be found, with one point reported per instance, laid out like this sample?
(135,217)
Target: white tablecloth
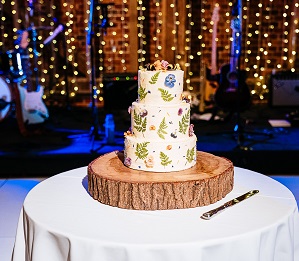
(60,221)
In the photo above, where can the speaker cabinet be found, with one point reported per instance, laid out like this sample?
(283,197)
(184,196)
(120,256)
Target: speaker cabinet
(120,90)
(284,90)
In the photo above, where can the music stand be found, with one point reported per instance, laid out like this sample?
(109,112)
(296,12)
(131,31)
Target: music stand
(95,133)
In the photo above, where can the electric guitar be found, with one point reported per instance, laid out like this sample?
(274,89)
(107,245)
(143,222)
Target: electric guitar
(34,110)
(233,93)
(211,74)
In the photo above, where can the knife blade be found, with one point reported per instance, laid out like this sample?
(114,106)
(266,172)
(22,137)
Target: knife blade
(208,215)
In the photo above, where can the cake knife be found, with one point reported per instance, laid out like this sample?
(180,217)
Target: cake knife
(208,215)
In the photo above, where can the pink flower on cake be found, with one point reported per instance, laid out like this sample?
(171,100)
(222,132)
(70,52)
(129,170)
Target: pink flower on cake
(191,130)
(143,113)
(164,64)
(180,112)
(128,162)
(149,162)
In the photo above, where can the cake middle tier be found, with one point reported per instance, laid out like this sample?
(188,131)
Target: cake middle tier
(160,156)
(166,122)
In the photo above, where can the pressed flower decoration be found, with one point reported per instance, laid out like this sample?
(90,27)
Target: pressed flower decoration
(191,130)
(161,66)
(170,80)
(180,111)
(128,162)
(128,132)
(149,161)
(169,147)
(143,113)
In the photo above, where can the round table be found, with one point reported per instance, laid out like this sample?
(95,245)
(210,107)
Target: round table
(60,221)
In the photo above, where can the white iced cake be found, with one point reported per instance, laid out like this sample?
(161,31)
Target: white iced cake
(161,138)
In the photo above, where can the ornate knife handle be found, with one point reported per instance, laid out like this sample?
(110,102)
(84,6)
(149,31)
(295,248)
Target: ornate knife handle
(208,215)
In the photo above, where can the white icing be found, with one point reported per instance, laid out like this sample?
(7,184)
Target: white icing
(160,156)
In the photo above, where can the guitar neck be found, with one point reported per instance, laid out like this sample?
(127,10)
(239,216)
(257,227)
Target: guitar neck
(233,64)
(235,51)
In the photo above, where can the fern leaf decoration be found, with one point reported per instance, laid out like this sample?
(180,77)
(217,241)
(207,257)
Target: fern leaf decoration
(142,93)
(161,131)
(166,96)
(141,150)
(164,159)
(190,154)
(154,78)
(139,122)
(137,118)
(184,123)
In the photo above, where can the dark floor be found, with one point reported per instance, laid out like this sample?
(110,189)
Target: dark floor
(66,141)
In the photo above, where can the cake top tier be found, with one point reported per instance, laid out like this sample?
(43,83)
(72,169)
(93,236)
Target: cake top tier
(160,83)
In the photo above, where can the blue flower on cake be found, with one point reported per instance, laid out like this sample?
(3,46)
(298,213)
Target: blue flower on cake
(173,135)
(170,80)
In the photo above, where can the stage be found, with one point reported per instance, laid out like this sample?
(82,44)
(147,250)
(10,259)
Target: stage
(66,141)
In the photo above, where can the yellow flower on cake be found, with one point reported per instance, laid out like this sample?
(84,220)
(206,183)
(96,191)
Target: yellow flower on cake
(158,65)
(149,162)
(169,147)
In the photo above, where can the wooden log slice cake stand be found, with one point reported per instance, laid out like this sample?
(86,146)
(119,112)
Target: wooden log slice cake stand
(114,184)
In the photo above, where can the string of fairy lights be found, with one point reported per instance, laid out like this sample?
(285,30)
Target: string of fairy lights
(189,56)
(124,35)
(260,32)
(44,25)
(141,35)
(158,24)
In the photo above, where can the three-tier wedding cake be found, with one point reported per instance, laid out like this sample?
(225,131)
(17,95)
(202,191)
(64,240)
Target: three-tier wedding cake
(161,137)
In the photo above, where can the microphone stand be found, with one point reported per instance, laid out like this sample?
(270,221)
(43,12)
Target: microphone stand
(66,71)
(239,129)
(94,131)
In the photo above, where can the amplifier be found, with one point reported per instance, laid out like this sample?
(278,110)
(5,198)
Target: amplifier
(120,90)
(284,90)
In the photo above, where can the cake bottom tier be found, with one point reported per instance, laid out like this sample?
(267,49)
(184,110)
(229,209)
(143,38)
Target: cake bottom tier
(160,156)
(113,184)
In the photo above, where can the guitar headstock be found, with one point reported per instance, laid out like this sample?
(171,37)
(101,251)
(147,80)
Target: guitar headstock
(236,25)
(215,15)
(22,40)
